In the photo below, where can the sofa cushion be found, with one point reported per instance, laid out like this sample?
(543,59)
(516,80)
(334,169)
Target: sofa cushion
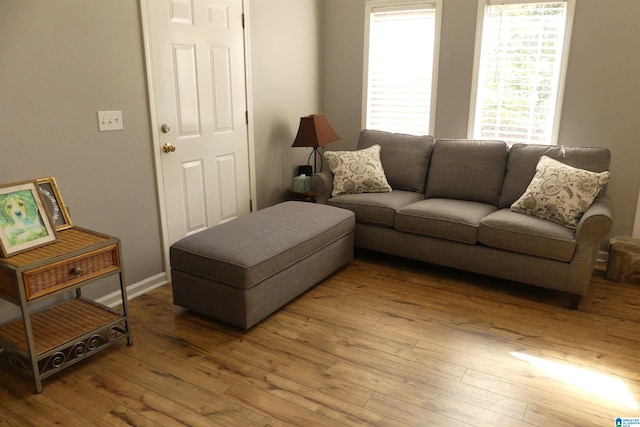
(444,218)
(527,234)
(559,192)
(376,208)
(467,170)
(357,172)
(523,159)
(405,158)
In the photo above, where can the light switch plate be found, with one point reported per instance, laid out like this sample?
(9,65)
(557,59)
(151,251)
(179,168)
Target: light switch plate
(110,120)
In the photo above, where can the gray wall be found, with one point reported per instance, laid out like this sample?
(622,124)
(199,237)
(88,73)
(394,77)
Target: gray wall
(601,105)
(61,62)
(285,48)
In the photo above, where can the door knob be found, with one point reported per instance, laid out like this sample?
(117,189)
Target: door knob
(168,148)
(165,128)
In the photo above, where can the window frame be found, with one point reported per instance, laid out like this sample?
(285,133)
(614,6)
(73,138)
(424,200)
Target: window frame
(370,5)
(482,16)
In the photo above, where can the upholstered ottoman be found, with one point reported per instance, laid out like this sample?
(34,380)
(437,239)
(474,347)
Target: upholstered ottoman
(241,271)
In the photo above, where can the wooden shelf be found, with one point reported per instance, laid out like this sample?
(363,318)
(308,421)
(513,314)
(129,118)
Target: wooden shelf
(58,325)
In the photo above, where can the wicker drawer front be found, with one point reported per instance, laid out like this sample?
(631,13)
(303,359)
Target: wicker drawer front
(52,277)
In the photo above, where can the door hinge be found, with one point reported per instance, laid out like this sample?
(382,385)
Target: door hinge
(250,205)
(246,117)
(243,20)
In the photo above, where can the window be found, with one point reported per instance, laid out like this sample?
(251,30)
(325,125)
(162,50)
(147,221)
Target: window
(521,55)
(401,46)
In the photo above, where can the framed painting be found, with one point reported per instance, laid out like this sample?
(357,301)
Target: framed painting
(24,223)
(53,203)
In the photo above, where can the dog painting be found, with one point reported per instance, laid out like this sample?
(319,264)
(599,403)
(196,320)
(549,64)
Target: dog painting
(22,225)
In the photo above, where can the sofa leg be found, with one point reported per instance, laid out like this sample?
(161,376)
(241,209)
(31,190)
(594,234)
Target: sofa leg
(574,301)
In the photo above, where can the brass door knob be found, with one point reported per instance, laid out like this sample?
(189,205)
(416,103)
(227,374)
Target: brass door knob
(168,148)
(165,128)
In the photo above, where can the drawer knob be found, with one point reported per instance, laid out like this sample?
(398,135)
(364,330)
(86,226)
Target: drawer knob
(76,270)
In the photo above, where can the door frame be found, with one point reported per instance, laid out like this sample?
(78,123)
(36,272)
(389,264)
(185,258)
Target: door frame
(143,6)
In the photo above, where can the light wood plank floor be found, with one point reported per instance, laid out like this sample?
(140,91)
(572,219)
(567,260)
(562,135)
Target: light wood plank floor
(384,341)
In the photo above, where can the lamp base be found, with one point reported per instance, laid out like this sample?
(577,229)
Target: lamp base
(315,155)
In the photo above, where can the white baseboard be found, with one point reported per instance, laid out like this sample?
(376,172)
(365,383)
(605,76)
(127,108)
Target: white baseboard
(142,287)
(603,256)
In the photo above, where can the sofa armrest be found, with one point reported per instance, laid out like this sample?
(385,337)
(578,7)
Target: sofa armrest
(322,182)
(594,224)
(597,221)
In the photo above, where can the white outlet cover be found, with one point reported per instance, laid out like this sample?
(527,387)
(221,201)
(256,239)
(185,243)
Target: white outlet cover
(110,120)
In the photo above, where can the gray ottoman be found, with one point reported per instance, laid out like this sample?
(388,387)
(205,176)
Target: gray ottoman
(241,271)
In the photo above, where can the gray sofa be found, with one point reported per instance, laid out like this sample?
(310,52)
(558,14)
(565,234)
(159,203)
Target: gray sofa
(450,205)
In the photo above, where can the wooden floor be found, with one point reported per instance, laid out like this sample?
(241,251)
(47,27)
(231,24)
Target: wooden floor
(384,342)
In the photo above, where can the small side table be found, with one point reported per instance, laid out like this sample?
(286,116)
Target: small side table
(309,196)
(44,342)
(624,258)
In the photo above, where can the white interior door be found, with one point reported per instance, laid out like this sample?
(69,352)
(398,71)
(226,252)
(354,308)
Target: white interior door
(195,50)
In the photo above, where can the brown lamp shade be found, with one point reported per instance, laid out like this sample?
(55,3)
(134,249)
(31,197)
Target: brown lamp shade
(314,131)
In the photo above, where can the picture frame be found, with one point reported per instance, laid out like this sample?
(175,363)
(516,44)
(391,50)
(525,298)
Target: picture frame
(53,203)
(24,222)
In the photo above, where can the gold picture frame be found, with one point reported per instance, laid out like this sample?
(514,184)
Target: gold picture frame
(24,222)
(54,204)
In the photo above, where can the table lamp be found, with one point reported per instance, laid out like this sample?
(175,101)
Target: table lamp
(314,131)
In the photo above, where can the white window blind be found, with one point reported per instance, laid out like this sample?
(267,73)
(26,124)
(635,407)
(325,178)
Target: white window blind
(400,68)
(519,74)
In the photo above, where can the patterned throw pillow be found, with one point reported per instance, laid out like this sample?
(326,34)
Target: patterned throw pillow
(357,171)
(560,193)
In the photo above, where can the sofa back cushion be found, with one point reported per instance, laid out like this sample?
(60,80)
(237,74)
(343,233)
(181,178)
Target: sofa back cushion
(523,159)
(405,158)
(467,169)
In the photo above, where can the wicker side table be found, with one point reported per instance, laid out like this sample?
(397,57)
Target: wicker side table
(624,258)
(48,341)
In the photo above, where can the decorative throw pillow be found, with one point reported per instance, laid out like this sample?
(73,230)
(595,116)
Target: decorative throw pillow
(357,171)
(560,193)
